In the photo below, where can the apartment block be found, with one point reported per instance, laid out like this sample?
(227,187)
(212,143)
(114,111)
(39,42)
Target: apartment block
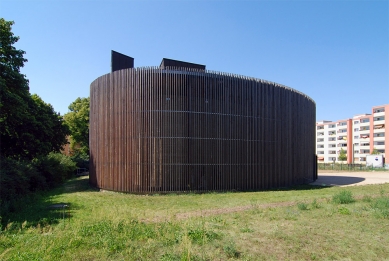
(357,136)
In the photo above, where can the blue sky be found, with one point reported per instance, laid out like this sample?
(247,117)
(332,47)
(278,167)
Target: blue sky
(336,52)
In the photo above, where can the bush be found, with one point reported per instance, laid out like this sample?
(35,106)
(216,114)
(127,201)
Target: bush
(343,197)
(81,159)
(55,168)
(20,178)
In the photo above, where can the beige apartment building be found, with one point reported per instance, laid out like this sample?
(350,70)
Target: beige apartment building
(357,136)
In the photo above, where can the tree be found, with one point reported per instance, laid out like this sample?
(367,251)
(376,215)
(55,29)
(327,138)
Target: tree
(14,91)
(375,152)
(78,121)
(342,155)
(28,126)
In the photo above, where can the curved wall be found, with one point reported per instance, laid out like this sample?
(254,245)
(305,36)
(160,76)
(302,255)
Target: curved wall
(178,130)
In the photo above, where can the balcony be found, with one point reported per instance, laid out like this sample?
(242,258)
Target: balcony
(364,128)
(320,140)
(320,134)
(379,114)
(320,128)
(364,136)
(379,126)
(332,133)
(379,138)
(379,147)
(332,139)
(378,122)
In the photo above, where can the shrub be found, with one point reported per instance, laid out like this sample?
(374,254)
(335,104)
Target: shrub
(81,159)
(343,197)
(55,167)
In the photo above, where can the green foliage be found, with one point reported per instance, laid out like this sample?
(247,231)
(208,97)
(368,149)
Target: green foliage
(315,204)
(342,155)
(55,168)
(19,178)
(78,122)
(28,126)
(343,197)
(201,235)
(230,250)
(344,211)
(81,159)
(375,152)
(381,206)
(302,206)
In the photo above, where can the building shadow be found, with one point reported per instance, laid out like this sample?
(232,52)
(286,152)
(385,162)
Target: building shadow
(327,180)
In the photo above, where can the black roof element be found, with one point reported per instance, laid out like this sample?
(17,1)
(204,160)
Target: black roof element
(120,61)
(174,63)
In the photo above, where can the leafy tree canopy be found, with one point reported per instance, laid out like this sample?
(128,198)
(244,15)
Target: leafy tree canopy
(78,121)
(342,155)
(28,126)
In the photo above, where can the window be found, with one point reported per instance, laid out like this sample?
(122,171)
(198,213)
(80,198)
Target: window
(365,120)
(356,144)
(332,126)
(380,134)
(356,137)
(356,122)
(379,143)
(356,129)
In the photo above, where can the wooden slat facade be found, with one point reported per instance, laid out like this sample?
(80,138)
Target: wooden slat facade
(156,130)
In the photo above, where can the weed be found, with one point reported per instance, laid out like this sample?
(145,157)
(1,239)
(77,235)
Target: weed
(381,207)
(343,197)
(366,198)
(246,230)
(170,257)
(201,235)
(315,204)
(302,206)
(344,211)
(230,250)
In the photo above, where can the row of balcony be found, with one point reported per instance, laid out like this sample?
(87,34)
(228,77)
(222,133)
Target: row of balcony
(362,151)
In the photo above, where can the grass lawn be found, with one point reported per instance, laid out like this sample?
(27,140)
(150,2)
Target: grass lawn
(302,223)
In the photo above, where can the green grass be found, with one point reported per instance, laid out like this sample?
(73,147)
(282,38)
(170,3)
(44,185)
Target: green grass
(302,223)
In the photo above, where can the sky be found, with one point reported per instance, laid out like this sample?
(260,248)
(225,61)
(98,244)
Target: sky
(336,52)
